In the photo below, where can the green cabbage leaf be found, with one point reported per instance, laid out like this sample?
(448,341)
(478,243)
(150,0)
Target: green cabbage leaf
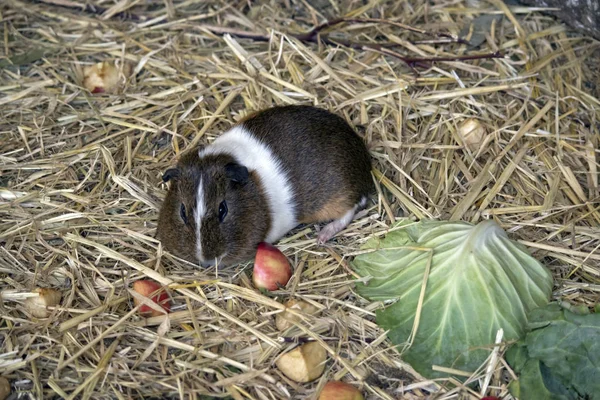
(559,357)
(477,282)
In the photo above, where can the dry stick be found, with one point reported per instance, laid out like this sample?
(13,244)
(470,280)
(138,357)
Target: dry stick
(342,262)
(151,336)
(414,61)
(100,369)
(377,47)
(316,30)
(96,10)
(302,339)
(98,338)
(314,36)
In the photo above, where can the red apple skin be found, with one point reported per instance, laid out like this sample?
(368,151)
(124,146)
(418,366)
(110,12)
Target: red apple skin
(146,288)
(490,398)
(271,268)
(336,390)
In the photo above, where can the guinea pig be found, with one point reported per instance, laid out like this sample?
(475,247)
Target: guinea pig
(272,171)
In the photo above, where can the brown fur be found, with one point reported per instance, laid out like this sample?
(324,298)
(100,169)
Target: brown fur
(245,203)
(334,209)
(327,162)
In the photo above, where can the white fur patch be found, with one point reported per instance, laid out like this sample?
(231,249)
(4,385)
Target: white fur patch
(200,211)
(254,155)
(362,203)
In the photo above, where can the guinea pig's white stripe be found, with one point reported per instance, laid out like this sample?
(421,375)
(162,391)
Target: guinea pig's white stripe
(254,155)
(198,214)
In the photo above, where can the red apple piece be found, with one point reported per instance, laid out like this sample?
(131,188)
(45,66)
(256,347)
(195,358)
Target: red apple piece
(148,288)
(271,268)
(337,390)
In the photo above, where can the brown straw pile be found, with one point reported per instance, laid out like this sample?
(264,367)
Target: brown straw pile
(80,179)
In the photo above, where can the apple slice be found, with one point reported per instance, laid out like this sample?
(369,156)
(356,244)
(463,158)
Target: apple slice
(303,364)
(4,388)
(46,297)
(148,288)
(472,133)
(105,76)
(286,319)
(271,268)
(337,390)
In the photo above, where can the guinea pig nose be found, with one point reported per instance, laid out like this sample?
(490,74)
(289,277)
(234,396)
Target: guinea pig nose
(208,263)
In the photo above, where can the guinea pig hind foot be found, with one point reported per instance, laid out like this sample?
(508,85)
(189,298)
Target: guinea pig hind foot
(335,226)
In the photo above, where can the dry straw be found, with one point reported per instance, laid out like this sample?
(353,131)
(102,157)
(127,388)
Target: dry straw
(80,180)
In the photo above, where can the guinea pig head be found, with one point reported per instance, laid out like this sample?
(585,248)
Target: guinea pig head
(212,211)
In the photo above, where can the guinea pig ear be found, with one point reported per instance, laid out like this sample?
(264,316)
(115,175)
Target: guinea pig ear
(169,174)
(236,173)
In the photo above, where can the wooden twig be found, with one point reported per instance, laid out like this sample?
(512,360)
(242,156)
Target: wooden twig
(410,61)
(315,35)
(310,35)
(302,339)
(90,9)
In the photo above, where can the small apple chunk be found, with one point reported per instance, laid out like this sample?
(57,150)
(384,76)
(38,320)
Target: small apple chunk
(150,289)
(271,268)
(4,388)
(472,133)
(46,297)
(336,390)
(105,76)
(303,364)
(285,319)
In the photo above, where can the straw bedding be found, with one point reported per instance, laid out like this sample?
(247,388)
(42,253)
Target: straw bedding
(80,181)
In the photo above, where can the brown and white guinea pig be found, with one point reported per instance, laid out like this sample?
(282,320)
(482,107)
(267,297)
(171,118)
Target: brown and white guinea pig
(276,169)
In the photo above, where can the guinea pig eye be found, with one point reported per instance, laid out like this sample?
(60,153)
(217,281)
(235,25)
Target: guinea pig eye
(222,210)
(183,214)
